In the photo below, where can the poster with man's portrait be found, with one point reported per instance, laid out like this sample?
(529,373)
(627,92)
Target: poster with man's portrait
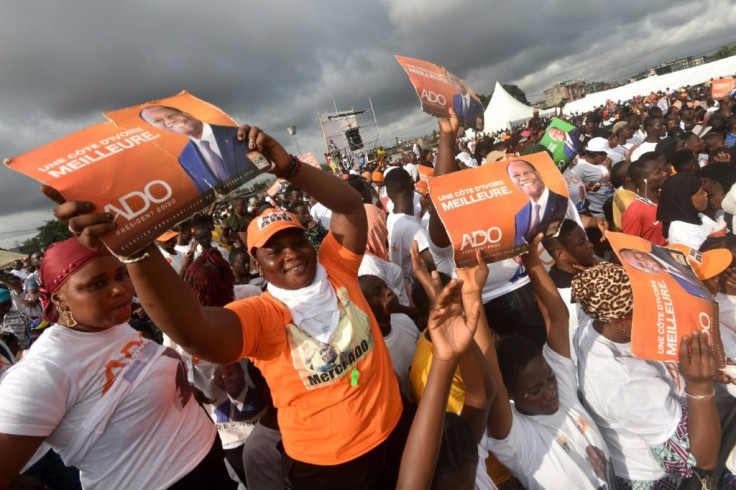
(669,299)
(563,140)
(151,166)
(439,89)
(499,208)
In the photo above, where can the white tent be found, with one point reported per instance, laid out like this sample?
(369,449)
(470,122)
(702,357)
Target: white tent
(690,76)
(503,110)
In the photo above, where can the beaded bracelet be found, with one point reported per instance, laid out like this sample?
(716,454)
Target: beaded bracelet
(294,166)
(133,258)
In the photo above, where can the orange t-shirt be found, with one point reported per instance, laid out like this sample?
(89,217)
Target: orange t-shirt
(325,420)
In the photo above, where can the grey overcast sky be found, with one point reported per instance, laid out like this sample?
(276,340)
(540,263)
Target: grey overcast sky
(277,63)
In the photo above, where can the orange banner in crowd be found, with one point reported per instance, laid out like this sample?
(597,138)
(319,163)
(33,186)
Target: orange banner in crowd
(144,168)
(669,299)
(498,208)
(438,90)
(720,88)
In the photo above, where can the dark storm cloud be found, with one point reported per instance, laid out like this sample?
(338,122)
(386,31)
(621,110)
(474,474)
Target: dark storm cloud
(277,64)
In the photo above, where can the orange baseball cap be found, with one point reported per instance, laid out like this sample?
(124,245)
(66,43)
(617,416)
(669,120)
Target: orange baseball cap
(706,264)
(422,187)
(377,177)
(166,236)
(267,224)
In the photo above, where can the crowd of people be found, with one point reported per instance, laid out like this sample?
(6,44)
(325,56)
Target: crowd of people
(323,337)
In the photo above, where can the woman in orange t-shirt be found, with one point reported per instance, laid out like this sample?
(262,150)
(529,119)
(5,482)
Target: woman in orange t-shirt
(312,334)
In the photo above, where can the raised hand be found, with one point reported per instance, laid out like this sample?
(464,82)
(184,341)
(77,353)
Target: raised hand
(475,277)
(83,223)
(531,258)
(697,362)
(262,142)
(449,125)
(451,333)
(431,283)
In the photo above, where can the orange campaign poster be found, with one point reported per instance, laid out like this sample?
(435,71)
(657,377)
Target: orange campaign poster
(151,166)
(438,90)
(669,299)
(721,87)
(500,207)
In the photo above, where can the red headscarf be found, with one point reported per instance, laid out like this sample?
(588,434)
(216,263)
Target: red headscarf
(62,259)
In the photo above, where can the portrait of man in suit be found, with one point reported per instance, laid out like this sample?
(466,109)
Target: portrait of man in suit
(673,262)
(242,403)
(213,155)
(545,210)
(467,107)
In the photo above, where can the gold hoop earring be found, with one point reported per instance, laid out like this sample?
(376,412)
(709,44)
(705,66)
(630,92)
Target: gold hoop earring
(67,314)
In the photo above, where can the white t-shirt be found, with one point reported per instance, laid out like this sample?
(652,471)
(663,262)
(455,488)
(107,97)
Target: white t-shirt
(591,174)
(234,418)
(173,260)
(576,190)
(321,214)
(157,433)
(413,171)
(635,403)
(391,274)
(503,276)
(403,230)
(689,234)
(401,344)
(417,200)
(225,254)
(533,450)
(20,274)
(242,291)
(578,319)
(645,147)
(262,459)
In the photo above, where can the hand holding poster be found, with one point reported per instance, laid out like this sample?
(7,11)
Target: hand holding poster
(158,164)
(500,207)
(438,90)
(669,299)
(564,141)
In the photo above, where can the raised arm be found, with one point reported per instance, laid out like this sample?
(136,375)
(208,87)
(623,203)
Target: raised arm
(451,337)
(213,334)
(445,164)
(698,366)
(556,316)
(499,418)
(348,222)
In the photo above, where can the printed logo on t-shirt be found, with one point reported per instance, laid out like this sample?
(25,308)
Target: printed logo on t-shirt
(321,364)
(183,388)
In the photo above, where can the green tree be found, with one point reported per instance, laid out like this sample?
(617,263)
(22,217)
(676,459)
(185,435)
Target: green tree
(50,232)
(725,52)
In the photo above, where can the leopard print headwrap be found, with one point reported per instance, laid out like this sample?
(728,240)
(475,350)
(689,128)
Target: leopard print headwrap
(604,292)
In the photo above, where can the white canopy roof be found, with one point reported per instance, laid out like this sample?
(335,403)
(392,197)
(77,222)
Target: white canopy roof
(504,110)
(690,76)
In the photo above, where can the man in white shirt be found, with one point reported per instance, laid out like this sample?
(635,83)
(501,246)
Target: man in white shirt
(403,226)
(656,128)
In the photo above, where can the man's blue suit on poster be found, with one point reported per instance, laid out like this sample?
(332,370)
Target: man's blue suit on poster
(233,156)
(474,109)
(554,212)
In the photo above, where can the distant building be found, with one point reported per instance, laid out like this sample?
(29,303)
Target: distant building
(570,90)
(593,87)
